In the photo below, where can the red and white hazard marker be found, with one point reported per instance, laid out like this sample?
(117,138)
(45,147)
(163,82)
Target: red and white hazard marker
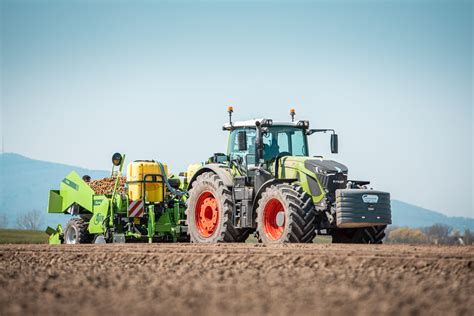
(135,208)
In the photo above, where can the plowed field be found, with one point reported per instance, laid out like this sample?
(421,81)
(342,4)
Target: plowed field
(180,279)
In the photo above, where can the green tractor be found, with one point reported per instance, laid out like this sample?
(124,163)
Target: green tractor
(268,184)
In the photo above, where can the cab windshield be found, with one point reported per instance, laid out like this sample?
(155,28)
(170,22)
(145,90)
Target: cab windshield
(284,139)
(278,139)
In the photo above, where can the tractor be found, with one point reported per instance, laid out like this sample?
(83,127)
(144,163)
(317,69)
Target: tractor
(268,184)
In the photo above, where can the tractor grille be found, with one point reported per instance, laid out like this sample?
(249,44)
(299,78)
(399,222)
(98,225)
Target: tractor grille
(332,182)
(331,175)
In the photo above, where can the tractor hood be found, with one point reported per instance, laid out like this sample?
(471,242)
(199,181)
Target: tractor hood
(330,174)
(314,165)
(321,166)
(323,177)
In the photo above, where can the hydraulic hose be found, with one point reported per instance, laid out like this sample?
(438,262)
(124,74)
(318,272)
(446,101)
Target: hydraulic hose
(168,186)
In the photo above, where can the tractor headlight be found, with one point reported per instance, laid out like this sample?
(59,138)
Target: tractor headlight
(267,122)
(304,124)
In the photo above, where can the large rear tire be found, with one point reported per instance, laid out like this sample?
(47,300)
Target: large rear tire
(285,214)
(209,211)
(76,232)
(366,235)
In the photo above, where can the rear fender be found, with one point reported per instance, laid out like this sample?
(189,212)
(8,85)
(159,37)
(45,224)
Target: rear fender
(221,170)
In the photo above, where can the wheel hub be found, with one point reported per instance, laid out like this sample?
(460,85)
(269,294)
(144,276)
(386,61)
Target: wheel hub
(274,219)
(71,235)
(207,214)
(280,219)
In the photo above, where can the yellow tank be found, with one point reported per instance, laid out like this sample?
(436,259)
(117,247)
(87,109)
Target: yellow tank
(153,191)
(192,170)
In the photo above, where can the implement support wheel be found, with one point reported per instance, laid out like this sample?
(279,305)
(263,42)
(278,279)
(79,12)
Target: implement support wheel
(76,232)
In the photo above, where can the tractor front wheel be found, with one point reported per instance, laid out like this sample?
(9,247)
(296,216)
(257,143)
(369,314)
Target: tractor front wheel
(366,235)
(285,213)
(76,232)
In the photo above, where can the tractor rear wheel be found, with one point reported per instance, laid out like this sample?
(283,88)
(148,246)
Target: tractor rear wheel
(76,232)
(285,213)
(366,235)
(209,211)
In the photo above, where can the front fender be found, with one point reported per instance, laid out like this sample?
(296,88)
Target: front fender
(265,186)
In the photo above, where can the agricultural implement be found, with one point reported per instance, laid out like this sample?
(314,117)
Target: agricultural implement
(266,184)
(149,208)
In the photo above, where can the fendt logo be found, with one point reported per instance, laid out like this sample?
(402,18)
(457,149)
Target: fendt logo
(99,218)
(370,198)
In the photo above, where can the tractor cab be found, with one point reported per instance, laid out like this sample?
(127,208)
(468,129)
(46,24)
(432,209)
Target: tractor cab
(258,148)
(280,139)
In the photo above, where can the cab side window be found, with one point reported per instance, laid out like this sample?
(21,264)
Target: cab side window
(246,156)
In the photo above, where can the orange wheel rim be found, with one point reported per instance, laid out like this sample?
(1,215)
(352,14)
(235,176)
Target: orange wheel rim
(274,219)
(206,214)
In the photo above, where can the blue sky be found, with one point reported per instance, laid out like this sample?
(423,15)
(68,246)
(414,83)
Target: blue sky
(83,79)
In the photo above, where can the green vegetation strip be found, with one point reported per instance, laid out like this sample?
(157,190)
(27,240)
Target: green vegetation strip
(17,236)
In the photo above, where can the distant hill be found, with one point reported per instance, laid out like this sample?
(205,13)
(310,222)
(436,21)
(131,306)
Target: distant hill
(404,214)
(25,183)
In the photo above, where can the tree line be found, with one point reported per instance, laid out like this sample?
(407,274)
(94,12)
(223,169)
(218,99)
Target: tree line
(32,220)
(437,234)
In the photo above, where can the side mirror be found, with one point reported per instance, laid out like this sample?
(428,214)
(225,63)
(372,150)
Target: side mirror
(219,158)
(334,144)
(242,140)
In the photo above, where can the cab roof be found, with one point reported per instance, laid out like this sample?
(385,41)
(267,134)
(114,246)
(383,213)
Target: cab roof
(251,123)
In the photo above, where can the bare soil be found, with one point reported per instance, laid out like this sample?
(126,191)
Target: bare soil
(227,279)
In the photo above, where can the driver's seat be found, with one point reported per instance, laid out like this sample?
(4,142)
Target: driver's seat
(270,152)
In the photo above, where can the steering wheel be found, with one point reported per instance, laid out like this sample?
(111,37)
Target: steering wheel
(282,154)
